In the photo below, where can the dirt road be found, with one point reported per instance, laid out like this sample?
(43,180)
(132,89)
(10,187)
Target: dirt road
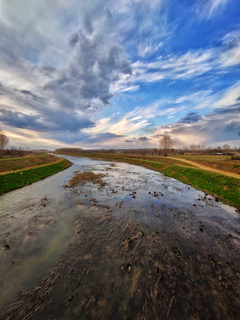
(200,166)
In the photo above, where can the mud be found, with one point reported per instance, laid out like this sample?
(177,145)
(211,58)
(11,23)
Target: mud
(142,246)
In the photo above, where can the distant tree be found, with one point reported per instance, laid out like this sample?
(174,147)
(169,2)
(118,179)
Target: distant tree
(193,147)
(4,141)
(226,147)
(166,143)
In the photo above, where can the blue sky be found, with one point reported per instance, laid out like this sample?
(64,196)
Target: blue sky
(120,74)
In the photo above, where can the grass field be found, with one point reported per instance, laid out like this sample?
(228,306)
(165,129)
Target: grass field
(14,180)
(226,189)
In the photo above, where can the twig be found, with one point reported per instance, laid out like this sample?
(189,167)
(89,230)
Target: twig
(170,305)
(60,281)
(16,307)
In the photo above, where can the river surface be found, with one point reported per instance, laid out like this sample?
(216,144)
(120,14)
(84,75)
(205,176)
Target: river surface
(142,246)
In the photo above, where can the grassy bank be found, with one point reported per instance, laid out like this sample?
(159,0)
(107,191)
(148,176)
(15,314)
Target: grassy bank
(12,164)
(226,189)
(14,180)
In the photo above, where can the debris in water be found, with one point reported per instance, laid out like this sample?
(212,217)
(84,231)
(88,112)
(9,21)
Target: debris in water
(82,178)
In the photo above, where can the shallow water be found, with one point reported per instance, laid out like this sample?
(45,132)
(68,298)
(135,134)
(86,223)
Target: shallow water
(152,247)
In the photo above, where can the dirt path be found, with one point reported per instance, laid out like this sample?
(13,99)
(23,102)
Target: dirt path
(28,168)
(200,166)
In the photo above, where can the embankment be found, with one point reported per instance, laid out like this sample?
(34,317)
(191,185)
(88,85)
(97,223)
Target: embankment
(19,178)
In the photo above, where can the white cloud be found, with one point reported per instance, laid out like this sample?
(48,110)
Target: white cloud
(189,65)
(148,49)
(129,123)
(230,96)
(186,66)
(195,97)
(206,9)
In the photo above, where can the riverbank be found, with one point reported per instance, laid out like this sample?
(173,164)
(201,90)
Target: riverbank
(222,187)
(12,164)
(134,244)
(25,176)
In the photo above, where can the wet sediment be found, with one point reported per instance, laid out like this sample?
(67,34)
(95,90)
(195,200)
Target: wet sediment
(147,249)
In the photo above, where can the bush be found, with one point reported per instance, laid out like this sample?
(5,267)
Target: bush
(236,156)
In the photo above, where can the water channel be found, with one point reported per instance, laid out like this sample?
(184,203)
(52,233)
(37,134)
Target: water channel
(138,246)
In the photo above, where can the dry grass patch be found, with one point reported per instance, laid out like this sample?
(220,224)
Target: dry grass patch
(82,178)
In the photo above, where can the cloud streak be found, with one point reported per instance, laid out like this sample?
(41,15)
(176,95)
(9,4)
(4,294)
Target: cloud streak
(206,9)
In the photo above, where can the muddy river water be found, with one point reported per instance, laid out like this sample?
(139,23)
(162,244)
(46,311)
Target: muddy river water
(138,245)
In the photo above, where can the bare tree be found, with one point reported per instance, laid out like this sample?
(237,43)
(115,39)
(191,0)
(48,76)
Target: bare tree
(166,143)
(226,147)
(193,147)
(3,140)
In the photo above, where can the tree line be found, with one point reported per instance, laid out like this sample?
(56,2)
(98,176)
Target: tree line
(7,150)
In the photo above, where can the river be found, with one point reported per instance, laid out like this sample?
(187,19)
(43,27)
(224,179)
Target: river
(139,246)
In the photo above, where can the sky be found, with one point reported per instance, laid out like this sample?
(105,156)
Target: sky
(119,74)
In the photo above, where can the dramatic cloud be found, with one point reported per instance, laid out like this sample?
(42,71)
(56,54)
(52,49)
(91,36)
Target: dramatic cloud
(91,71)
(190,117)
(143,139)
(101,138)
(106,73)
(48,122)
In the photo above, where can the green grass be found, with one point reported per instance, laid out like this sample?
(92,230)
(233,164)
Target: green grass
(227,189)
(14,180)
(224,187)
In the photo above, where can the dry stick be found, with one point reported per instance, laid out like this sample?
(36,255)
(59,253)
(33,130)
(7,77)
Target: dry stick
(38,307)
(60,281)
(170,305)
(12,304)
(47,294)
(29,316)
(12,316)
(16,307)
(22,314)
